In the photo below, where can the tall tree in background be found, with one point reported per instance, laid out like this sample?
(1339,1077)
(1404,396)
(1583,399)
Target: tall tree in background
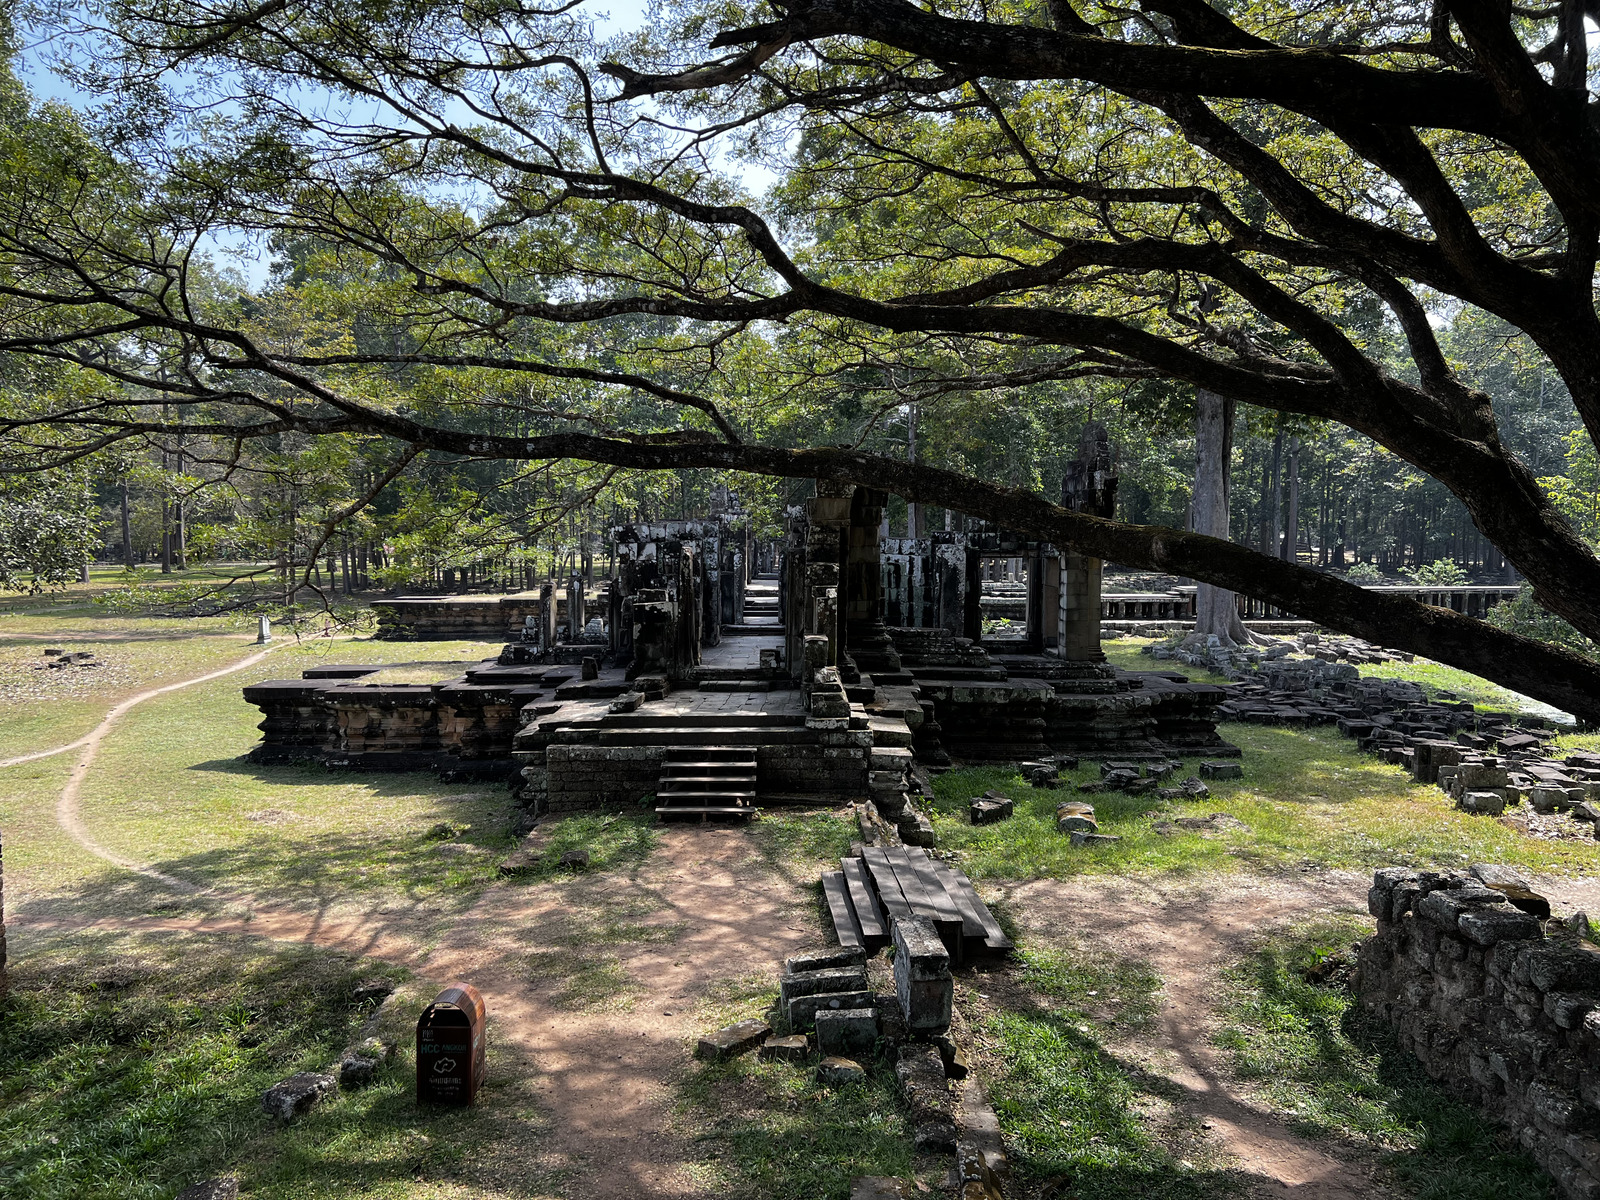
(1017,196)
(1216,613)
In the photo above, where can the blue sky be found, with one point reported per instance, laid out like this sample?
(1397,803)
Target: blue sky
(611,17)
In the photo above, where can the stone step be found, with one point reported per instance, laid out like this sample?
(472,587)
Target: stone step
(709,756)
(722,794)
(891,758)
(744,720)
(675,780)
(889,731)
(667,735)
(704,810)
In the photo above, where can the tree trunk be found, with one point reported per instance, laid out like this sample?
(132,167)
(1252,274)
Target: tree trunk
(166,538)
(1272,533)
(913,509)
(1291,524)
(1216,611)
(127,530)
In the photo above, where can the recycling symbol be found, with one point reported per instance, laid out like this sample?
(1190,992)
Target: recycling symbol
(442,1066)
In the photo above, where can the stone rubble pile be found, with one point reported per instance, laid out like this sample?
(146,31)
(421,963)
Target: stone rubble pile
(836,1014)
(1487,762)
(1240,662)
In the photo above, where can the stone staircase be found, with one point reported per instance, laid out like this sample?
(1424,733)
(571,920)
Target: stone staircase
(707,782)
(761,603)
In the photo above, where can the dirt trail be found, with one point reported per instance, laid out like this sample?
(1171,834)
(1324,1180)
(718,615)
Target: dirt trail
(603,1077)
(1187,933)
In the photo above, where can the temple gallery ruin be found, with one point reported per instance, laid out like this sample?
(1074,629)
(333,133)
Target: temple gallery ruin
(720,673)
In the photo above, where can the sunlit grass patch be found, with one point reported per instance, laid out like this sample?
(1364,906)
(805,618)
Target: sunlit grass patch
(1074,1114)
(615,841)
(797,843)
(768,1131)
(1325,1068)
(1308,797)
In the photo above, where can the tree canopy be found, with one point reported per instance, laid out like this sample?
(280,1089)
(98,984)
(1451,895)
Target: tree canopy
(502,237)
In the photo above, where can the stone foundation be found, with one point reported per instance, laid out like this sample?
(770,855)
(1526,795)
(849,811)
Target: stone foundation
(463,725)
(1506,1016)
(452,618)
(578,776)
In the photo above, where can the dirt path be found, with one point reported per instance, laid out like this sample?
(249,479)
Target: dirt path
(707,909)
(1187,933)
(604,1074)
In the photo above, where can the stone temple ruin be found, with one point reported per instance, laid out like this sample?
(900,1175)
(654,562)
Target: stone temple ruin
(718,672)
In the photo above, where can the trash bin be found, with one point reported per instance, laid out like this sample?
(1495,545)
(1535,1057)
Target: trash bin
(450,1046)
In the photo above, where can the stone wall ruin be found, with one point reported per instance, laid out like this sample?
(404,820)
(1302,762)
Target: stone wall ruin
(1504,1014)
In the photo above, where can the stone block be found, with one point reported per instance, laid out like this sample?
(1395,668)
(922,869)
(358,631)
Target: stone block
(849,978)
(836,1072)
(974,1172)
(847,1032)
(1488,925)
(1549,799)
(935,1135)
(802,1010)
(1564,968)
(1568,1009)
(920,1072)
(732,1041)
(1554,1106)
(357,1071)
(824,960)
(1476,776)
(1444,907)
(1483,803)
(922,979)
(986,812)
(915,829)
(298,1094)
(1221,770)
(796,1047)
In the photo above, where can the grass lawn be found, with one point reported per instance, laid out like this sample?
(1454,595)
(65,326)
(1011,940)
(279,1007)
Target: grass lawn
(168,788)
(1309,797)
(133,1064)
(1079,1120)
(1313,1058)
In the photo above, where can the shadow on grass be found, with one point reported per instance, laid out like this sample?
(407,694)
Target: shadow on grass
(441,868)
(768,1130)
(1334,1072)
(134,1065)
(1079,1120)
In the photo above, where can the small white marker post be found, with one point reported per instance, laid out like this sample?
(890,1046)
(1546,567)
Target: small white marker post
(263,630)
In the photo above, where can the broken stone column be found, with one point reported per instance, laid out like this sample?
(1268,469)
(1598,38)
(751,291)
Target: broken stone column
(577,609)
(861,595)
(1088,487)
(548,633)
(922,980)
